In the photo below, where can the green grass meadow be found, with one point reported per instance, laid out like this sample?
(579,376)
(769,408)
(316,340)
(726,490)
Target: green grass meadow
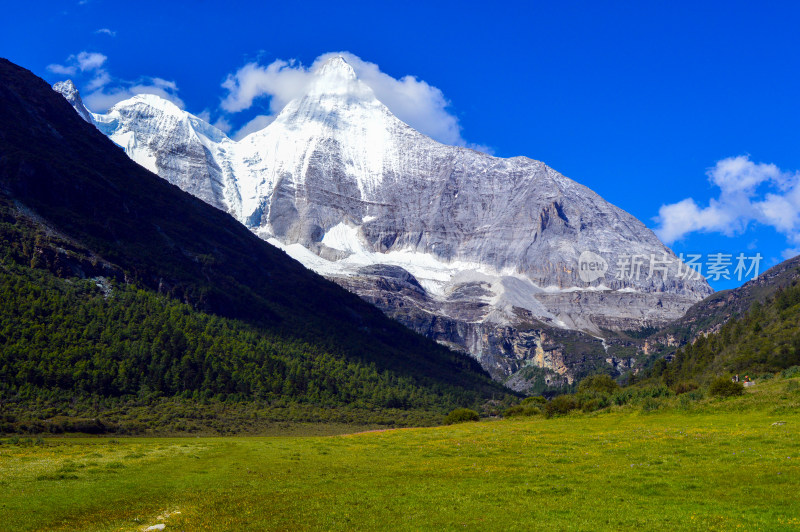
(720,465)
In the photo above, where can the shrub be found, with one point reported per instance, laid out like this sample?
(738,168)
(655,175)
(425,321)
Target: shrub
(723,387)
(685,401)
(530,406)
(561,404)
(650,404)
(591,405)
(522,410)
(684,387)
(598,383)
(534,400)
(694,395)
(622,397)
(654,391)
(794,371)
(460,415)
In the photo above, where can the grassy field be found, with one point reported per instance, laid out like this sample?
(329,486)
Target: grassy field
(723,464)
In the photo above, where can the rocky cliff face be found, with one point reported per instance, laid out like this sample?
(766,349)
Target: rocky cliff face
(469,249)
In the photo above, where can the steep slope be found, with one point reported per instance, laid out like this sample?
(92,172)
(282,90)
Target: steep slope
(491,245)
(709,315)
(94,212)
(70,92)
(753,329)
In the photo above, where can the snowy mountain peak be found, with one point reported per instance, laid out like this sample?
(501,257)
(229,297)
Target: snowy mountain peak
(336,67)
(152,100)
(70,92)
(67,88)
(337,78)
(485,243)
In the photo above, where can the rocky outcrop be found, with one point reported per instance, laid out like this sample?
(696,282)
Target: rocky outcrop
(507,352)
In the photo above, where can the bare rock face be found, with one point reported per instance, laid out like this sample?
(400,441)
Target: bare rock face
(482,253)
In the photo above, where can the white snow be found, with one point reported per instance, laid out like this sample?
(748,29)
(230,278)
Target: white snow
(344,238)
(144,157)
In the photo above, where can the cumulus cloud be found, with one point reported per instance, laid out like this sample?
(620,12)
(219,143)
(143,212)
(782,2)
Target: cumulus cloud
(223,125)
(106,31)
(117,90)
(101,90)
(414,101)
(66,70)
(749,193)
(83,62)
(101,79)
(790,253)
(90,60)
(256,124)
(281,81)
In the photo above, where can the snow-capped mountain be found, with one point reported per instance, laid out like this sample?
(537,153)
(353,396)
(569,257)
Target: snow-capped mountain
(470,249)
(70,92)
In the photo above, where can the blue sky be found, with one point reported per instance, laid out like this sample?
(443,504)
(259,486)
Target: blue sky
(684,115)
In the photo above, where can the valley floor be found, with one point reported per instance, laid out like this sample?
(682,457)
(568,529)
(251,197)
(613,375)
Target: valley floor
(731,464)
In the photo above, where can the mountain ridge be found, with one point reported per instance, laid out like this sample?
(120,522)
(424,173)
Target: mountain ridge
(95,212)
(341,184)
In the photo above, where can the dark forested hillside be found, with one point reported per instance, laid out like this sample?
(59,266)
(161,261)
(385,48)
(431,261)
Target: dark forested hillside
(761,335)
(715,310)
(67,338)
(197,303)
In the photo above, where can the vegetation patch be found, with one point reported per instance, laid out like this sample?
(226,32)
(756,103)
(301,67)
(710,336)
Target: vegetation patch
(461,415)
(738,458)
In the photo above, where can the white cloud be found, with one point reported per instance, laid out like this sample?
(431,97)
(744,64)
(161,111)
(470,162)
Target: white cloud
(256,124)
(223,125)
(83,62)
(481,148)
(106,31)
(106,96)
(103,89)
(748,193)
(790,253)
(221,122)
(412,100)
(102,79)
(66,70)
(280,81)
(90,60)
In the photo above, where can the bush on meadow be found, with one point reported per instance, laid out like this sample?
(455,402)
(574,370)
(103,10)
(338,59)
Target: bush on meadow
(460,415)
(788,373)
(724,387)
(685,387)
(560,405)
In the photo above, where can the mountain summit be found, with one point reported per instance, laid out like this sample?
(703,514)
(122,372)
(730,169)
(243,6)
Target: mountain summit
(72,203)
(336,72)
(70,92)
(478,252)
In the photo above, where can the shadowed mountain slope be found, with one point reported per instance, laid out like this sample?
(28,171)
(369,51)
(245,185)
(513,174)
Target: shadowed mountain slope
(95,212)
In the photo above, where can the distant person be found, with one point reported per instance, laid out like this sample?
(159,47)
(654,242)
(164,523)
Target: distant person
(736,378)
(746,378)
